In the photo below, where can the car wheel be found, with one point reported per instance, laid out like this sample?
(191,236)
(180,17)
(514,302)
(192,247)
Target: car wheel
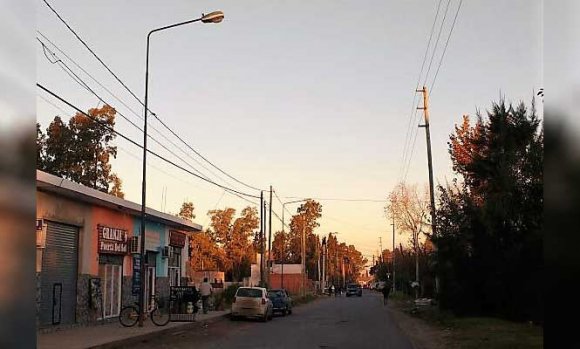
(285,312)
(265,317)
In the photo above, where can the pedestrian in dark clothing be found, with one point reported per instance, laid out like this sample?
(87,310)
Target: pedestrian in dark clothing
(386,290)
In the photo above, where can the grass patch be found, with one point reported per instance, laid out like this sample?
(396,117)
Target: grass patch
(475,332)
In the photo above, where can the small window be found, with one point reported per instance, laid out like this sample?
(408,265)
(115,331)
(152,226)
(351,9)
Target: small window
(249,292)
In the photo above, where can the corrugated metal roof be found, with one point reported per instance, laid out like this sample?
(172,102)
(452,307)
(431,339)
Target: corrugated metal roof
(47,182)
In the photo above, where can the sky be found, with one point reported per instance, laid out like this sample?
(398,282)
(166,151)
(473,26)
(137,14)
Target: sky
(313,98)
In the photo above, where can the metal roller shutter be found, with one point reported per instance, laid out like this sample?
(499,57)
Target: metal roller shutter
(59,275)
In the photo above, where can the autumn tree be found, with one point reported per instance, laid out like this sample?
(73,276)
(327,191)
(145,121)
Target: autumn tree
(187,211)
(205,253)
(80,151)
(490,218)
(233,236)
(302,224)
(117,188)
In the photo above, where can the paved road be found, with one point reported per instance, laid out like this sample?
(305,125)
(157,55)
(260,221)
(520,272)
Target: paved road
(326,323)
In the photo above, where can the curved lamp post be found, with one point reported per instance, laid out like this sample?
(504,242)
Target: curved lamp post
(212,17)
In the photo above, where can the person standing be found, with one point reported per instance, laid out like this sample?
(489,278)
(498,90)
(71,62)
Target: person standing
(206,290)
(386,290)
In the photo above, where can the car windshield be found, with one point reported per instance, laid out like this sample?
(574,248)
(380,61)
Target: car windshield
(275,293)
(352,286)
(249,292)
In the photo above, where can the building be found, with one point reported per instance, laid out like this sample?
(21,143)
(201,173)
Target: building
(87,251)
(289,277)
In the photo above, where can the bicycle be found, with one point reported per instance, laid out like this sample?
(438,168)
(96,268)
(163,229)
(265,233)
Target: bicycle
(129,314)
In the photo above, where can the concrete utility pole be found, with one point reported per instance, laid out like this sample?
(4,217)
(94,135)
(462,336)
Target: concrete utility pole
(323,283)
(270,236)
(303,257)
(394,280)
(261,237)
(425,109)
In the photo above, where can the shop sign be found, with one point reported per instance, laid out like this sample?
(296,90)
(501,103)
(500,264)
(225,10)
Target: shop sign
(176,239)
(136,284)
(112,240)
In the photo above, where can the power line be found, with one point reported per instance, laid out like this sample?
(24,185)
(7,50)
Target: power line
(139,100)
(445,49)
(437,41)
(140,146)
(334,199)
(413,108)
(75,77)
(408,154)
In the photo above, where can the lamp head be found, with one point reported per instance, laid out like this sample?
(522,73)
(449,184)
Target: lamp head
(212,17)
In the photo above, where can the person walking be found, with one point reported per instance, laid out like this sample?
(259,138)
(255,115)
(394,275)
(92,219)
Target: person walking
(386,290)
(206,290)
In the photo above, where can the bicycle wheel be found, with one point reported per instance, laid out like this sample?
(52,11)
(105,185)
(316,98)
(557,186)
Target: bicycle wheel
(129,316)
(160,317)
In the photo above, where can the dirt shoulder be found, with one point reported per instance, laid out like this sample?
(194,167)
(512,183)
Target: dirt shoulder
(422,334)
(430,328)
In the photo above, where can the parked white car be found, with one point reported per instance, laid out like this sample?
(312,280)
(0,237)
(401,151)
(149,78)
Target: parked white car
(252,302)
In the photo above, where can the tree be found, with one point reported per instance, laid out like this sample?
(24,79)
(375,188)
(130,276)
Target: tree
(204,253)
(234,238)
(489,236)
(81,150)
(410,210)
(280,250)
(186,211)
(40,147)
(117,189)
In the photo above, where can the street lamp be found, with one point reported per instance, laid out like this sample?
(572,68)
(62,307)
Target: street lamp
(303,245)
(212,17)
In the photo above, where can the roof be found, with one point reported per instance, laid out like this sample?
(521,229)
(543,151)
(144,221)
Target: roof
(47,182)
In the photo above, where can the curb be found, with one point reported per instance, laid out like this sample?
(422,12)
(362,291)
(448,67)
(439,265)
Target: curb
(147,336)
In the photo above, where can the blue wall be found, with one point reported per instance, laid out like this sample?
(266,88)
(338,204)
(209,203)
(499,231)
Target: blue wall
(154,228)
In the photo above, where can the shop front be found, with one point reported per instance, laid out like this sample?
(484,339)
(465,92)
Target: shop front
(112,249)
(88,261)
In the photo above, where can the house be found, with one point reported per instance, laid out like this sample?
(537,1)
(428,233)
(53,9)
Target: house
(88,252)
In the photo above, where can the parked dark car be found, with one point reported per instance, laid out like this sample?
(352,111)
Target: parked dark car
(353,290)
(281,300)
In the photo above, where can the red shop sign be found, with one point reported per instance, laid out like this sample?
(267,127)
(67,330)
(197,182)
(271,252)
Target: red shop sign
(112,240)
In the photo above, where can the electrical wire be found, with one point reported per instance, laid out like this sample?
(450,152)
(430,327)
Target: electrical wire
(437,41)
(413,105)
(75,77)
(140,146)
(445,49)
(139,100)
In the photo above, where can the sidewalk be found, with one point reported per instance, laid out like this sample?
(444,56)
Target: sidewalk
(113,334)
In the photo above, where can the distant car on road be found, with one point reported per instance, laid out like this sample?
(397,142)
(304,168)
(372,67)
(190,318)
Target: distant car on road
(252,302)
(353,290)
(281,301)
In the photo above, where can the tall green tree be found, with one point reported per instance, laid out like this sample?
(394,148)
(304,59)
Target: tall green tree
(80,151)
(489,236)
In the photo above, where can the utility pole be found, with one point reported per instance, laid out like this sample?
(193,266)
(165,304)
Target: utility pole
(261,237)
(394,280)
(303,257)
(381,247)
(323,284)
(270,236)
(429,157)
(430,164)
